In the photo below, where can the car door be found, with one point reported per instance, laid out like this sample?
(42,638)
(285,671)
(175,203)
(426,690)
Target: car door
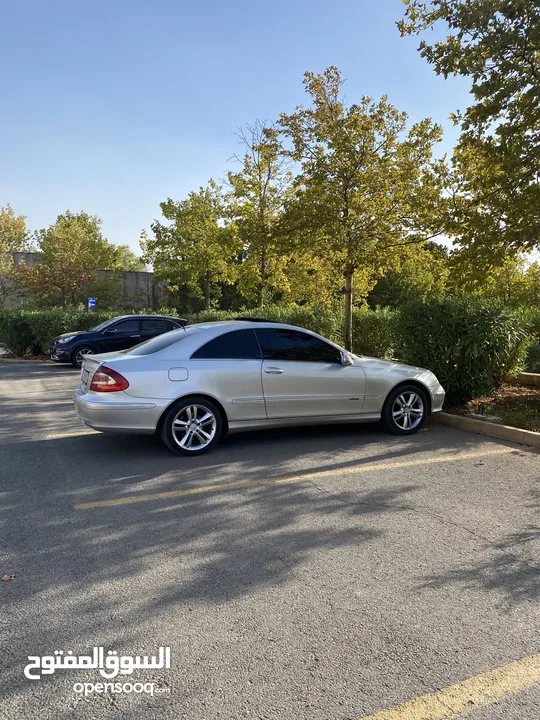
(124,334)
(150,327)
(303,376)
(228,367)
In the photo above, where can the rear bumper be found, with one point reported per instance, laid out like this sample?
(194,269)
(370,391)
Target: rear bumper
(119,414)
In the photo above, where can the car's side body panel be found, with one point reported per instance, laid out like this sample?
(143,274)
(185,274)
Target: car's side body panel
(310,389)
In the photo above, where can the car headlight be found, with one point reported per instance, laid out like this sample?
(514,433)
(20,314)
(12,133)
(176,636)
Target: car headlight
(66,339)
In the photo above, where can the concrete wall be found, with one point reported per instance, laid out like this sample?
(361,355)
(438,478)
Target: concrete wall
(138,288)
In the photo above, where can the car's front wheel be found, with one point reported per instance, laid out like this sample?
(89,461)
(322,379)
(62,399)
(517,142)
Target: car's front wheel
(406,410)
(78,354)
(192,426)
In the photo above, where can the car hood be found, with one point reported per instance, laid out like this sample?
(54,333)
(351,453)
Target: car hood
(71,334)
(377,365)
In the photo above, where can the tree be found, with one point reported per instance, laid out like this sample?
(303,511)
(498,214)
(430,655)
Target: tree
(366,186)
(13,238)
(255,204)
(196,249)
(496,43)
(515,282)
(128,261)
(13,233)
(72,250)
(422,274)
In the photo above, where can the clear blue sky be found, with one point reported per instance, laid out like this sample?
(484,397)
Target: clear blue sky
(111,106)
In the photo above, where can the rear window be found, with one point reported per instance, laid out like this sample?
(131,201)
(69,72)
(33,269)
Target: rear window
(155,344)
(156,325)
(235,345)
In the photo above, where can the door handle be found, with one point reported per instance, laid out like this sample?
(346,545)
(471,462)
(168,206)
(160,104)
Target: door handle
(273,371)
(134,336)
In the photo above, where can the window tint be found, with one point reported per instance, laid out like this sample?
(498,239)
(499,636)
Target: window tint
(283,344)
(236,345)
(127,326)
(155,344)
(156,326)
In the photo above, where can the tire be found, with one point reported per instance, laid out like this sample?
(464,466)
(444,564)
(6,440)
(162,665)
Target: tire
(76,358)
(191,426)
(413,404)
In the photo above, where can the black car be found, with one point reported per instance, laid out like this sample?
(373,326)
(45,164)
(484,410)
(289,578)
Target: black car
(119,333)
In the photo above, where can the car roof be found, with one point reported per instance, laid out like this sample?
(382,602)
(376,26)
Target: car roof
(237,324)
(145,317)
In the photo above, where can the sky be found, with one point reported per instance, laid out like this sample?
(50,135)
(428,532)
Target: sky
(113,106)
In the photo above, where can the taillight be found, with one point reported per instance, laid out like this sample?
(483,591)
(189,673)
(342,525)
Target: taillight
(107,380)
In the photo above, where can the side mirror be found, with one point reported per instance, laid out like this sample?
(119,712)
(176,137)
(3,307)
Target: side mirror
(346,359)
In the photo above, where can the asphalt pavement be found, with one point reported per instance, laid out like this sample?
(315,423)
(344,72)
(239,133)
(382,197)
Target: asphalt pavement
(325,573)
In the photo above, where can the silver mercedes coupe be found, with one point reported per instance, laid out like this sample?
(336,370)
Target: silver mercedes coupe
(194,384)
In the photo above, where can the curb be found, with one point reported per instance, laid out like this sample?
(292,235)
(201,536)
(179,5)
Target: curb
(528,379)
(502,432)
(22,360)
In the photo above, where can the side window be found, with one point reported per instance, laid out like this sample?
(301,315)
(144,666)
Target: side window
(235,345)
(127,326)
(294,345)
(156,326)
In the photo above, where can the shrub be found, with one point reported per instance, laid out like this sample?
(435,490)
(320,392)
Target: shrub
(533,359)
(16,335)
(322,319)
(374,332)
(533,319)
(29,330)
(470,343)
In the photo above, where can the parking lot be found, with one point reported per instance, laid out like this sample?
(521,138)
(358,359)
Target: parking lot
(307,573)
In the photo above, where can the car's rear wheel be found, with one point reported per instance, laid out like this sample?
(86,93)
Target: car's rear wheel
(406,410)
(78,354)
(192,426)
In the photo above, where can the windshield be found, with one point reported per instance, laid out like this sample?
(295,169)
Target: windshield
(101,325)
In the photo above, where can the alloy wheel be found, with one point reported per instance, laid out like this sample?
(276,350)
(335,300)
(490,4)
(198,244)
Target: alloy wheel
(79,355)
(408,410)
(194,427)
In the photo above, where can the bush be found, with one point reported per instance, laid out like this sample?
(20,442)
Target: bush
(321,319)
(16,335)
(374,332)
(29,331)
(533,319)
(470,343)
(533,359)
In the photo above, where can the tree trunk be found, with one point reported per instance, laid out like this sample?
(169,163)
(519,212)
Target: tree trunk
(262,281)
(349,274)
(207,293)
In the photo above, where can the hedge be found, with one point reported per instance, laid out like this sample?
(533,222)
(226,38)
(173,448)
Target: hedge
(29,331)
(471,344)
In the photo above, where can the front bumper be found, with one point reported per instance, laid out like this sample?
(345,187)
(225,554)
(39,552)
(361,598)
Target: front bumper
(437,398)
(59,354)
(120,414)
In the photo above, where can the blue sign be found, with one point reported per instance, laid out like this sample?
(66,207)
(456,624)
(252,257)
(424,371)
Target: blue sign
(91,303)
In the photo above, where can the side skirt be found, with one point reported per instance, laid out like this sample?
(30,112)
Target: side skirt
(245,425)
